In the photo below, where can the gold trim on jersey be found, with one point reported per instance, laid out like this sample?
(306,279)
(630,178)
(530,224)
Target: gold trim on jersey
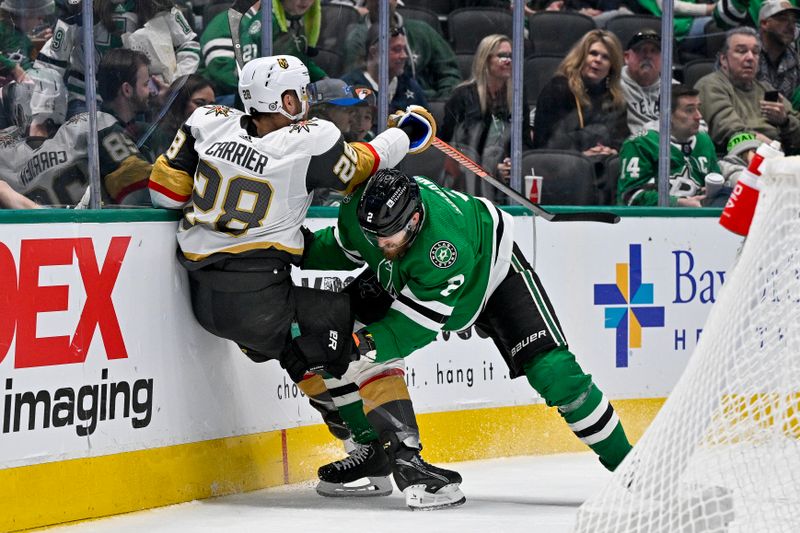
(365,166)
(382,391)
(133,169)
(239,248)
(313,386)
(176,181)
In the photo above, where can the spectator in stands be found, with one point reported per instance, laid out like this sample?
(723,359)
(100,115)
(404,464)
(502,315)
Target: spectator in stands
(46,159)
(191,92)
(733,100)
(404,89)
(741,149)
(600,11)
(689,22)
(692,156)
(779,62)
(365,112)
(295,31)
(19,20)
(433,64)
(641,78)
(478,113)
(333,100)
(583,107)
(123,83)
(155,26)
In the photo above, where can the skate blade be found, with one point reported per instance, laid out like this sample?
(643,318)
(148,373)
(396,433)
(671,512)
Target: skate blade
(418,499)
(362,488)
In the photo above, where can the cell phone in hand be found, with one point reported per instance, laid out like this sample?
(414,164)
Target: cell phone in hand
(771,96)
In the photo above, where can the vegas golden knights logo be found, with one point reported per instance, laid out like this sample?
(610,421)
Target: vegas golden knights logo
(283,63)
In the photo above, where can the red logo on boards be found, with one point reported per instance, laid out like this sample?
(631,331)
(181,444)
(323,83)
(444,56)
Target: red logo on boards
(22,299)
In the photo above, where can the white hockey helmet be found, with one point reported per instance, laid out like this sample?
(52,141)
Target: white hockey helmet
(264,80)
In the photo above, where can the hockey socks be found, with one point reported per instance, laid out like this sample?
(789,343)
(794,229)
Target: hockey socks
(562,383)
(345,421)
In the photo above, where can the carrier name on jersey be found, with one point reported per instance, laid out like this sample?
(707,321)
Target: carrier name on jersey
(41,162)
(238,154)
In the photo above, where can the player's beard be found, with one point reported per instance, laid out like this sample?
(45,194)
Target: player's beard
(394,253)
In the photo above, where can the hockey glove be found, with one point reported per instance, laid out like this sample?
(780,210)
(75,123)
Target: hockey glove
(314,354)
(364,345)
(419,125)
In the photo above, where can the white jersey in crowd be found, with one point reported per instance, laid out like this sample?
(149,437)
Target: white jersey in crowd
(242,193)
(53,171)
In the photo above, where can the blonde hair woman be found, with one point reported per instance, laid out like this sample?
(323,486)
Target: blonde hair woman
(582,108)
(478,114)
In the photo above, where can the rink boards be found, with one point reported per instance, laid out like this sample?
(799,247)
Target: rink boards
(114,399)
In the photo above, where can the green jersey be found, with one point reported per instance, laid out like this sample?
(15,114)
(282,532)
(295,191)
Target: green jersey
(216,45)
(688,167)
(460,255)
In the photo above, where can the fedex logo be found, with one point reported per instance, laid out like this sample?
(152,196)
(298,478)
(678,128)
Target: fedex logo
(22,299)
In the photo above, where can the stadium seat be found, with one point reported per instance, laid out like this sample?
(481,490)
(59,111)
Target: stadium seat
(626,26)
(539,69)
(696,69)
(423,14)
(569,177)
(554,32)
(330,61)
(429,163)
(464,60)
(440,7)
(336,22)
(467,26)
(608,186)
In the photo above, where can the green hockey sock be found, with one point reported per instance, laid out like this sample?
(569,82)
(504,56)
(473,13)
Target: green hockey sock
(360,428)
(593,420)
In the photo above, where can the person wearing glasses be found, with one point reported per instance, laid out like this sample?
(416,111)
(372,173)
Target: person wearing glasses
(403,88)
(433,64)
(477,116)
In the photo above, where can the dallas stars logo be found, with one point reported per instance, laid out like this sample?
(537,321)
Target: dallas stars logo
(302,125)
(443,254)
(218,110)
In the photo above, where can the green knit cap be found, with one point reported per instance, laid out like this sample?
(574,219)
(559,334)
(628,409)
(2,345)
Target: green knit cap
(742,142)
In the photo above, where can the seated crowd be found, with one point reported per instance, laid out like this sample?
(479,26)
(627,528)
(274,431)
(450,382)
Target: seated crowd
(160,60)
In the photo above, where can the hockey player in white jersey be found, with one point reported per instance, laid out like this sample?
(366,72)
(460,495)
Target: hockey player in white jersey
(244,183)
(45,158)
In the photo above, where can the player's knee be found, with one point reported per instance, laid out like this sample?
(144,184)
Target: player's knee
(557,376)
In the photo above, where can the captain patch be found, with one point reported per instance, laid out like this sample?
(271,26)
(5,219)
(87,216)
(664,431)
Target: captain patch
(443,254)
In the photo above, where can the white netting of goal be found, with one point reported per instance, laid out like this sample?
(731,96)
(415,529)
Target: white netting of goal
(723,454)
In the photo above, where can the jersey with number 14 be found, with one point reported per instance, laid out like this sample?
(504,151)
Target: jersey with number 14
(639,161)
(458,258)
(242,193)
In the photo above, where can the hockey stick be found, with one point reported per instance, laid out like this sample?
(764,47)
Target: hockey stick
(472,166)
(235,13)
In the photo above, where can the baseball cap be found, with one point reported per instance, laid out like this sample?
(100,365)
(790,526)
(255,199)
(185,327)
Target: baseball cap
(644,36)
(332,91)
(742,142)
(772,7)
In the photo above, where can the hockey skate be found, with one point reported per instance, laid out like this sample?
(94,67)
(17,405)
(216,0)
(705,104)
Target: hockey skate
(364,472)
(425,486)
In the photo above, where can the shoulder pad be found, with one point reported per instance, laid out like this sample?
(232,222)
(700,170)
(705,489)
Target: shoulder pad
(311,137)
(210,114)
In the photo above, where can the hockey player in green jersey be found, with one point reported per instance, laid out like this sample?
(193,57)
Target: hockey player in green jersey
(692,157)
(439,260)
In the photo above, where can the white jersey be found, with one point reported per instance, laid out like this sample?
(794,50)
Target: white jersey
(53,171)
(242,193)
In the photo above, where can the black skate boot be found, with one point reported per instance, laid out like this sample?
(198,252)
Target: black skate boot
(426,487)
(364,472)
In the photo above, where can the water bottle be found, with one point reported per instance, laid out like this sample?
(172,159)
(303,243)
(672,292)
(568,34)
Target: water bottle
(738,212)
